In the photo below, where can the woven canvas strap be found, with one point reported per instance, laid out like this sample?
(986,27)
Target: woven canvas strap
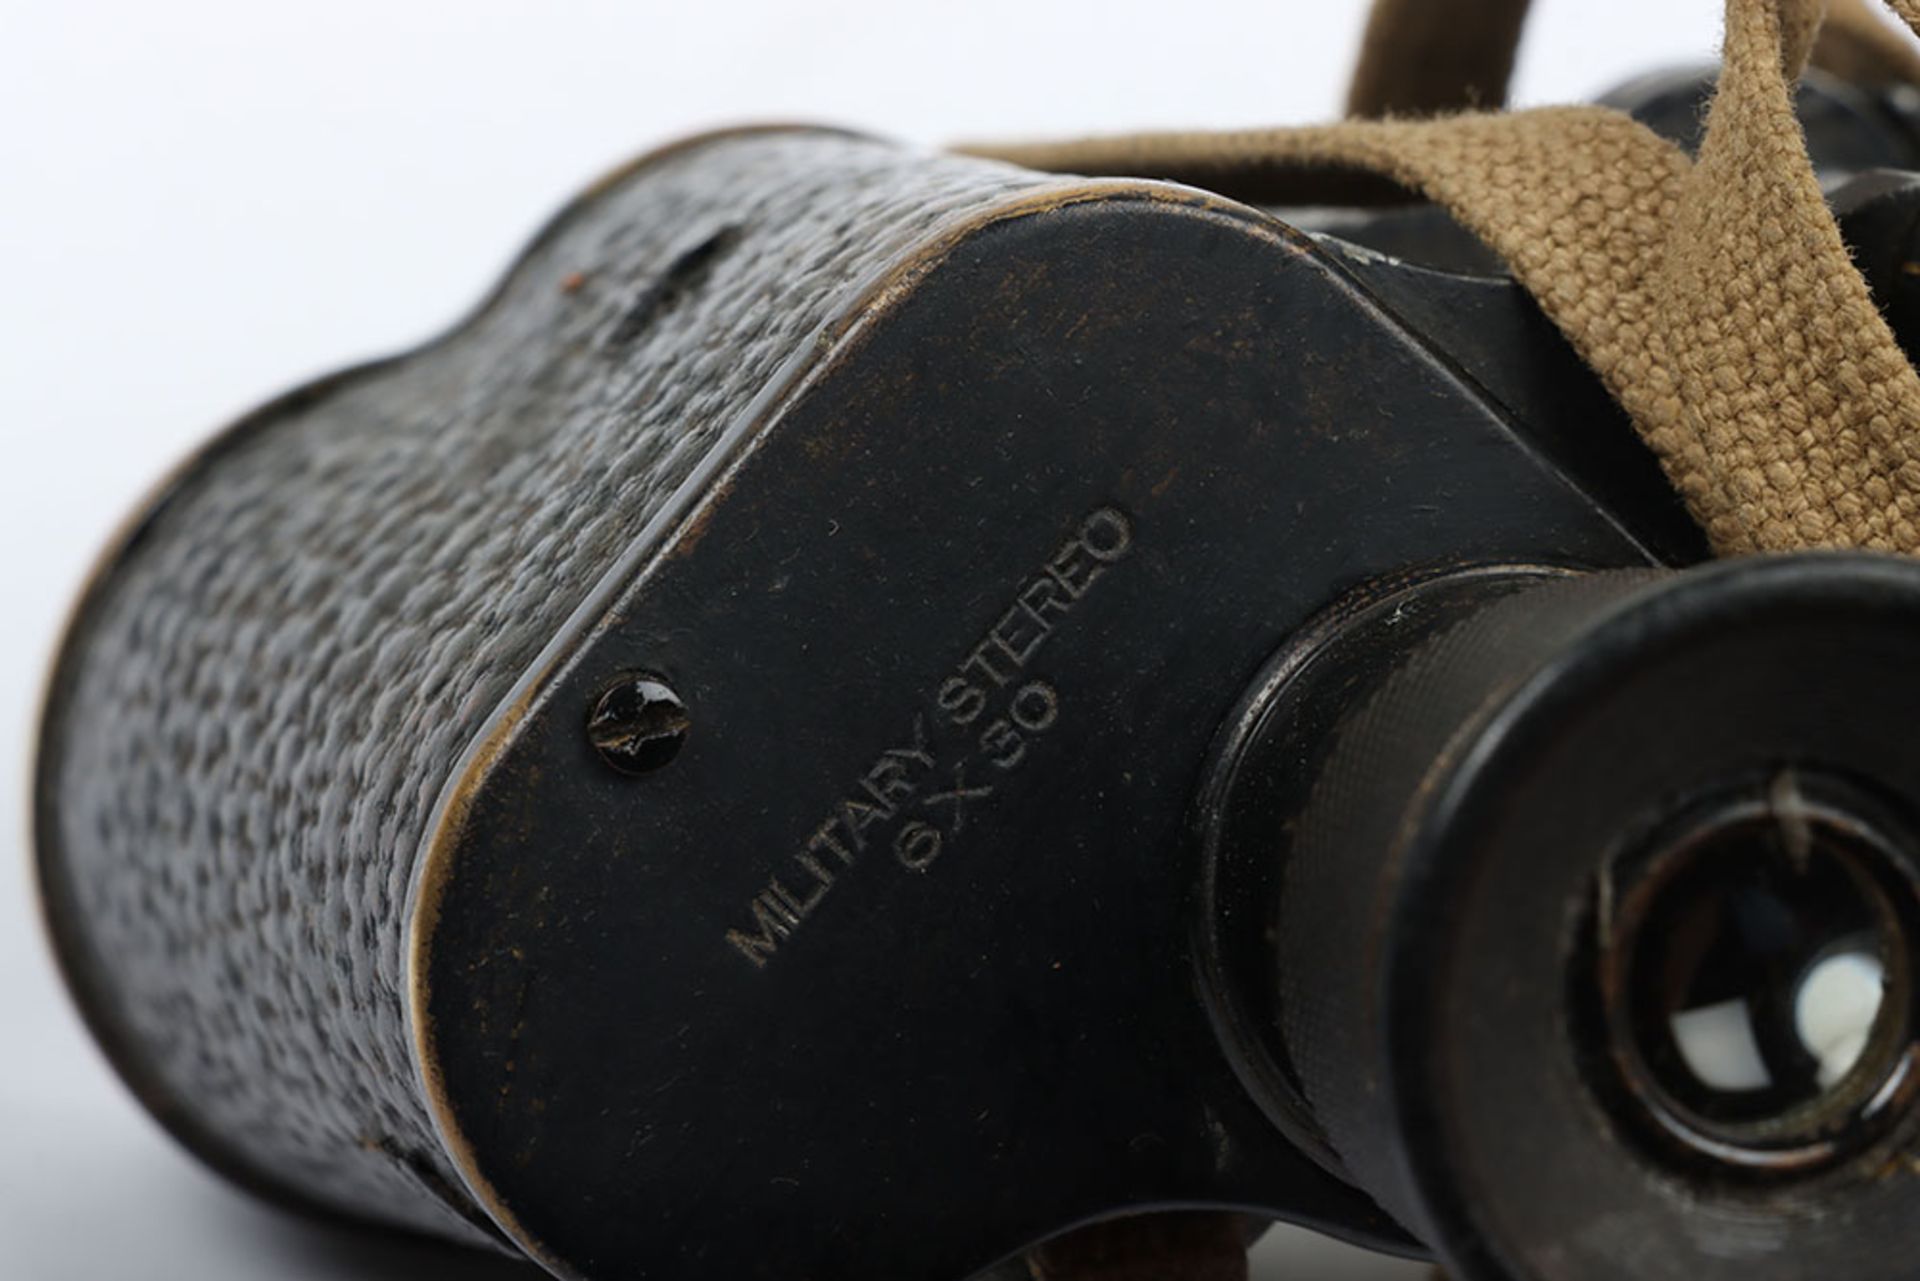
(1713,296)
(1430,57)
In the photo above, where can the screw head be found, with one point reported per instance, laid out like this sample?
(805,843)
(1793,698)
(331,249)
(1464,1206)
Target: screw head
(639,724)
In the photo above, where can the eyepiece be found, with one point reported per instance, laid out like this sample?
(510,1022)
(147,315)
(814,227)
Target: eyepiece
(1593,934)
(1755,967)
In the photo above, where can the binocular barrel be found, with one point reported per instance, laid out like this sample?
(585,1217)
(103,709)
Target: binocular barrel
(871,708)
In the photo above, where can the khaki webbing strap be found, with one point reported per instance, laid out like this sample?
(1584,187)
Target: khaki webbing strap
(1857,45)
(1715,298)
(1430,57)
(1434,57)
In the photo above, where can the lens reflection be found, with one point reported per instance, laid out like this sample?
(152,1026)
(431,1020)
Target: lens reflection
(1759,977)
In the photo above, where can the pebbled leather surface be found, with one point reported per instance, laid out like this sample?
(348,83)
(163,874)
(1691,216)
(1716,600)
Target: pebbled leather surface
(266,692)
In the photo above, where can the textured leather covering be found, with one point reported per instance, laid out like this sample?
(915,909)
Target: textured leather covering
(268,688)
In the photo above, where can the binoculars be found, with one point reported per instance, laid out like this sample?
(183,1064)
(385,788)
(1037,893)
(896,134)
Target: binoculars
(873,714)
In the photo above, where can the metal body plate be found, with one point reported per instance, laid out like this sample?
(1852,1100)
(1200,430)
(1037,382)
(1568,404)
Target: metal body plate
(907,925)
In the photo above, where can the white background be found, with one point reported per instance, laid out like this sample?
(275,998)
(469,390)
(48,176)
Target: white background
(203,202)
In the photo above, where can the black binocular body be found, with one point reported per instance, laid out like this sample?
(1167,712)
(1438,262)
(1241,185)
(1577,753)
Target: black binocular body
(871,708)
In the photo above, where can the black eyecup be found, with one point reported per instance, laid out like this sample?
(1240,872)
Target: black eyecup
(1434,899)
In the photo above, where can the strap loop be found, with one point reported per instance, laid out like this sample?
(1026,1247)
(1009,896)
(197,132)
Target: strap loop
(1430,57)
(1435,57)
